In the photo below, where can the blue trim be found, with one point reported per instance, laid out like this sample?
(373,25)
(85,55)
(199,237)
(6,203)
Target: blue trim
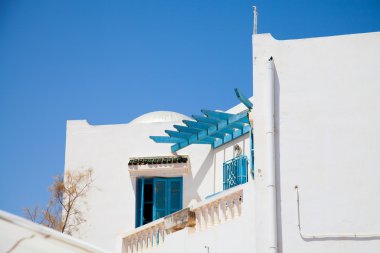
(214,128)
(243,99)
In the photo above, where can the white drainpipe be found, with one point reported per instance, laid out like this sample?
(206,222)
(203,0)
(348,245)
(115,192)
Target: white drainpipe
(271,169)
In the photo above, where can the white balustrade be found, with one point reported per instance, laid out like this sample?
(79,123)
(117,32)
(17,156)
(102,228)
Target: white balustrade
(145,237)
(218,209)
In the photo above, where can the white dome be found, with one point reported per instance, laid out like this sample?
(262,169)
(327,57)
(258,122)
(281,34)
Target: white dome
(160,116)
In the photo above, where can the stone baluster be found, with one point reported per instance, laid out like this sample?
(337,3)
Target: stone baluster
(238,199)
(149,239)
(135,245)
(139,243)
(215,208)
(155,236)
(210,211)
(205,217)
(230,208)
(161,234)
(143,241)
(223,210)
(198,219)
(126,244)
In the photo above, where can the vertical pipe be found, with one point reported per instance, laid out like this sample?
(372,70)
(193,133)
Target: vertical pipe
(252,153)
(270,152)
(254,20)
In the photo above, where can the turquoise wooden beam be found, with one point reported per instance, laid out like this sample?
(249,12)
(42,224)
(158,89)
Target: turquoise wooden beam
(180,135)
(165,139)
(237,125)
(217,115)
(189,138)
(236,132)
(243,99)
(185,129)
(226,137)
(226,116)
(199,132)
(215,129)
(205,126)
(214,141)
(175,148)
(218,122)
(238,117)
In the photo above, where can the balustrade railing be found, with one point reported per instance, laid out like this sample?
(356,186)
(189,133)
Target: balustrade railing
(218,209)
(145,237)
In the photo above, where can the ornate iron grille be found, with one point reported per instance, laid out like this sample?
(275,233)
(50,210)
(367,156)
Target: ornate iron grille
(235,172)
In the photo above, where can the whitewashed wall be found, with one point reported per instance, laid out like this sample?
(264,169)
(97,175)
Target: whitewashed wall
(327,132)
(110,207)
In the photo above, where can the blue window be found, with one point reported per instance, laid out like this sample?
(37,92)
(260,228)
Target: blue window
(156,198)
(235,172)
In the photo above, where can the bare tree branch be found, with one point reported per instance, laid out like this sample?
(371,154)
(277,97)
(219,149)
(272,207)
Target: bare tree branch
(61,212)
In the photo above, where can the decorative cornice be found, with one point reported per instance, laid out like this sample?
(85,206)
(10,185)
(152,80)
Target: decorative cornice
(159,166)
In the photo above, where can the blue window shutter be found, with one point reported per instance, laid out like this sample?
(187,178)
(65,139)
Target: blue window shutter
(138,202)
(244,169)
(159,198)
(174,195)
(142,201)
(140,182)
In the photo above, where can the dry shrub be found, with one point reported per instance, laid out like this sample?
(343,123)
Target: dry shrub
(62,211)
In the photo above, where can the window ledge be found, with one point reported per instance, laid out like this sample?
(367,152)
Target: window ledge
(159,170)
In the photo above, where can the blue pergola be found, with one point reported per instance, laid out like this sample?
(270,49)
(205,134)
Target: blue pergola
(213,127)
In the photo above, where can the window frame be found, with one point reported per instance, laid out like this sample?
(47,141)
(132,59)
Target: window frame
(140,201)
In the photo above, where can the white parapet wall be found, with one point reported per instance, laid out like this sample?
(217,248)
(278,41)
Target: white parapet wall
(223,223)
(327,143)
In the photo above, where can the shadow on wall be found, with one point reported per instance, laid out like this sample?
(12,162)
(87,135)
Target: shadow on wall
(197,180)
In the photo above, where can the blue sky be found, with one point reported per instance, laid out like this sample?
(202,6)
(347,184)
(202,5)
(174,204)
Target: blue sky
(111,61)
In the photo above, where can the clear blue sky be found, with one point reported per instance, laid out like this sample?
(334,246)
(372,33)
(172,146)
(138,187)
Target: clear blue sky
(111,61)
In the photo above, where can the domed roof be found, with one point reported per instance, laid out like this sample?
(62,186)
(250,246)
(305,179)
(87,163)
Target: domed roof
(160,116)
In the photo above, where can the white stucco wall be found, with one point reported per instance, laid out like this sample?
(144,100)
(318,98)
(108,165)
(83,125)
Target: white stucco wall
(327,143)
(110,207)
(327,135)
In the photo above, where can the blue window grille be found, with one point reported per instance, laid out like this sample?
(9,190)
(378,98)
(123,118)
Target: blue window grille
(235,172)
(156,198)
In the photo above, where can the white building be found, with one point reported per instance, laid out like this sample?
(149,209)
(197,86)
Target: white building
(314,186)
